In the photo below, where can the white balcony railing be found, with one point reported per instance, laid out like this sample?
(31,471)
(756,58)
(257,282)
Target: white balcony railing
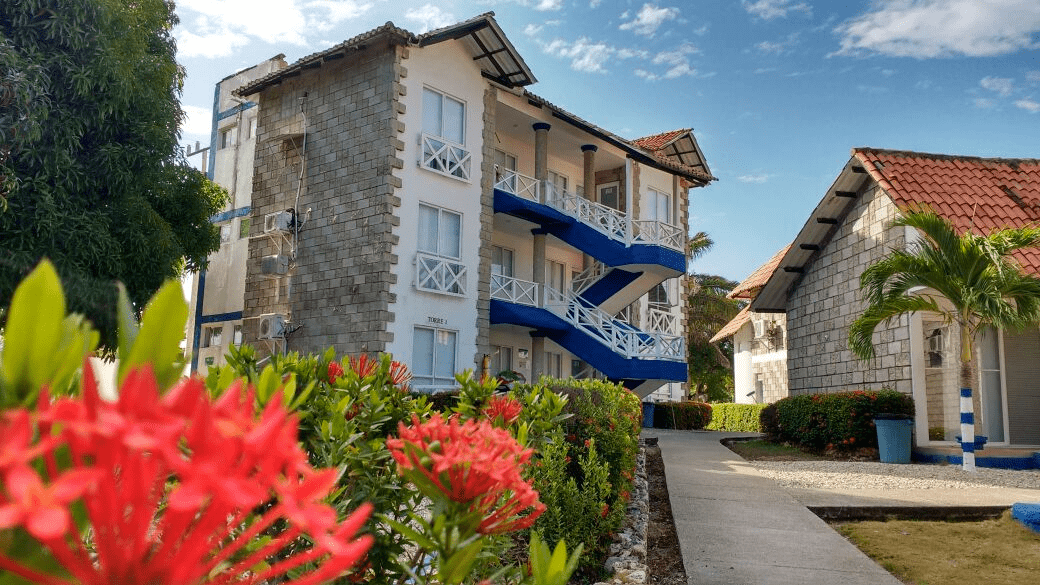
(587,277)
(445,157)
(614,224)
(439,274)
(621,338)
(514,290)
(661,321)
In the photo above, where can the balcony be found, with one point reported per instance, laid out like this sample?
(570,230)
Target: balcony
(438,274)
(445,157)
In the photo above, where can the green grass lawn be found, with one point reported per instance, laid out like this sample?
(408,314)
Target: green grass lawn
(990,552)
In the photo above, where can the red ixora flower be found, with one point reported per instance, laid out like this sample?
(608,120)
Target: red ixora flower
(170,486)
(363,365)
(470,463)
(335,371)
(503,407)
(399,374)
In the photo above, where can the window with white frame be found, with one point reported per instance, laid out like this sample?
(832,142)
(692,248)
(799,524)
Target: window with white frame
(554,364)
(225,233)
(659,206)
(251,128)
(227,138)
(659,295)
(558,182)
(501,359)
(237,336)
(433,358)
(504,163)
(438,266)
(211,336)
(555,275)
(243,228)
(609,194)
(444,135)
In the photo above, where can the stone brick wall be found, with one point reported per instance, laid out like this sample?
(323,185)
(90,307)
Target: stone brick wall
(487,226)
(828,299)
(338,292)
(769,358)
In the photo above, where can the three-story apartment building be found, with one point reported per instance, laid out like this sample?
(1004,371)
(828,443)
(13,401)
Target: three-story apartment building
(410,196)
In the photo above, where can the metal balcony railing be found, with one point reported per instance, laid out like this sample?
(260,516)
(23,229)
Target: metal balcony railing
(439,274)
(621,338)
(614,224)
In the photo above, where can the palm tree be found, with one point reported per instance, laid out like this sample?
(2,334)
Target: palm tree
(707,311)
(970,280)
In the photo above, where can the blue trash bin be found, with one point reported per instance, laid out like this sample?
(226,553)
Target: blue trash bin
(893,437)
(648,415)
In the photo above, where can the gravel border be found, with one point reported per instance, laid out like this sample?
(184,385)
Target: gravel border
(873,475)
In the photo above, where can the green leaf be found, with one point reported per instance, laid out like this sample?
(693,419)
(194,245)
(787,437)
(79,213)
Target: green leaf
(456,567)
(158,341)
(33,333)
(127,323)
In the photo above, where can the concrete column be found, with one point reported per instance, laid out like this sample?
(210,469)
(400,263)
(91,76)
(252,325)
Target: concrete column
(537,358)
(589,177)
(541,152)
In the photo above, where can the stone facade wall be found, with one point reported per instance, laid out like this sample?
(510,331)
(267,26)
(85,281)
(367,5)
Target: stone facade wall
(828,299)
(338,291)
(487,226)
(769,359)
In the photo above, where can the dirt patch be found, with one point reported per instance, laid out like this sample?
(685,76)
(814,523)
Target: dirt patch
(992,552)
(664,557)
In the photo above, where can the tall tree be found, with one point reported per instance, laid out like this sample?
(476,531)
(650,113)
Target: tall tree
(707,311)
(91,174)
(971,280)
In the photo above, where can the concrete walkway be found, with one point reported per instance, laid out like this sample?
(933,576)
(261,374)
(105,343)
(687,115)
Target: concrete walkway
(736,527)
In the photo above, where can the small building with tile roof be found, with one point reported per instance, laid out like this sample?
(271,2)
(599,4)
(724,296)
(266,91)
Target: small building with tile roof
(815,285)
(759,342)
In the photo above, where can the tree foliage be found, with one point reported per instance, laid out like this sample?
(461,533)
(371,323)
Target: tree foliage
(707,311)
(91,175)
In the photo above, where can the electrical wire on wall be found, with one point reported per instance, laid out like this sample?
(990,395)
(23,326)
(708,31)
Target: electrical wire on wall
(297,222)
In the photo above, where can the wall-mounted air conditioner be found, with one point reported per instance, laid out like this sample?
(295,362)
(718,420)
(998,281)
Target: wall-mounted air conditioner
(274,266)
(272,326)
(279,221)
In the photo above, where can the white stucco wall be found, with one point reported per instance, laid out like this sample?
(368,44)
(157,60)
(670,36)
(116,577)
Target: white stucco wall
(448,68)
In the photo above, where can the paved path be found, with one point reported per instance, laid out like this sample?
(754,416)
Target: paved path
(736,527)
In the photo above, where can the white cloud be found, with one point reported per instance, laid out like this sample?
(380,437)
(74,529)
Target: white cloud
(585,55)
(778,47)
(549,5)
(756,178)
(984,103)
(532,29)
(594,3)
(429,17)
(677,61)
(770,9)
(1033,76)
(649,19)
(1028,105)
(942,28)
(215,28)
(1002,85)
(197,121)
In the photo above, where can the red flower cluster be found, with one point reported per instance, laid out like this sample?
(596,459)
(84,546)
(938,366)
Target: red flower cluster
(504,407)
(470,463)
(171,486)
(335,371)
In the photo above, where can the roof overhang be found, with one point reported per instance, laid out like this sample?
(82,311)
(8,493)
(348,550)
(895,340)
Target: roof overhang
(684,150)
(814,236)
(481,35)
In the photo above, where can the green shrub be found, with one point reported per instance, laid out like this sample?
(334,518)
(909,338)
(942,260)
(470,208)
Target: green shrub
(584,474)
(843,421)
(739,418)
(685,416)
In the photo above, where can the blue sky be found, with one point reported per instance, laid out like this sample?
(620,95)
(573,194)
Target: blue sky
(777,91)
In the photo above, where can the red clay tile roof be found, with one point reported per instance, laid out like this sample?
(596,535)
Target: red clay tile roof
(659,141)
(981,194)
(733,326)
(758,278)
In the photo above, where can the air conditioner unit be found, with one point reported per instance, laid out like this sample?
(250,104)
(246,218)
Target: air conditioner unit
(279,221)
(760,328)
(274,266)
(272,326)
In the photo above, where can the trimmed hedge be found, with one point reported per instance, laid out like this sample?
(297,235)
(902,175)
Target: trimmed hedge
(843,421)
(740,418)
(684,416)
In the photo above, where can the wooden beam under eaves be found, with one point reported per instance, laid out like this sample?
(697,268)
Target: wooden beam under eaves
(849,194)
(795,269)
(810,247)
(858,169)
(827,220)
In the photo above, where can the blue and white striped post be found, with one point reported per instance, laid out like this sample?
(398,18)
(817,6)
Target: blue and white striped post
(967,430)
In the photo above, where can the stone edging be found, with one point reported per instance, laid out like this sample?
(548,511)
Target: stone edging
(627,561)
